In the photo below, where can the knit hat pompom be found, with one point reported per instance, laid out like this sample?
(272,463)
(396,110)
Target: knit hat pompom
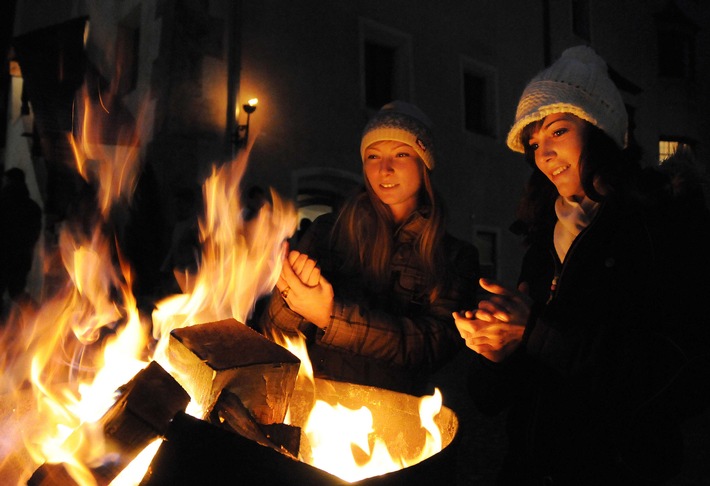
(577,83)
(585,55)
(402,122)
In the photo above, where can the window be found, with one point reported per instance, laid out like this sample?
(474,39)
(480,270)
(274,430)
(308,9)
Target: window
(668,146)
(676,43)
(675,55)
(474,93)
(580,19)
(386,64)
(486,240)
(479,88)
(379,74)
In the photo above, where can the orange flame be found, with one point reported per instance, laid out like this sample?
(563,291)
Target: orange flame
(133,473)
(86,338)
(341,439)
(241,259)
(114,168)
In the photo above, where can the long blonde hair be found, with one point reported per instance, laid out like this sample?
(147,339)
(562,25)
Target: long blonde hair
(365,228)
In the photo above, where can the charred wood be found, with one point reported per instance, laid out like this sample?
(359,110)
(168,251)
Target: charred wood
(142,413)
(229,413)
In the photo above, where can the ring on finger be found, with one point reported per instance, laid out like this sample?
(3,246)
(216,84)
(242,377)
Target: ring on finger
(284,292)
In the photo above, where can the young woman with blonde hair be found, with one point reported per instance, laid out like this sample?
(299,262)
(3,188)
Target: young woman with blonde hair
(373,287)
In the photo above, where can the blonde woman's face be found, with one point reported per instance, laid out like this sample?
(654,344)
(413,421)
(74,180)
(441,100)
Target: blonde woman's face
(558,145)
(394,171)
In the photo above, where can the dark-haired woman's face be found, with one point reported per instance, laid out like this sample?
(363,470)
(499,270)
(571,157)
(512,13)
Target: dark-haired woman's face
(557,145)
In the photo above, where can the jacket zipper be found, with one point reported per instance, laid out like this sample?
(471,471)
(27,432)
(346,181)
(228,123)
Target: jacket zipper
(560,266)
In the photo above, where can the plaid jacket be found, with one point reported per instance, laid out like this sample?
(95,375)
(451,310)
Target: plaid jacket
(392,338)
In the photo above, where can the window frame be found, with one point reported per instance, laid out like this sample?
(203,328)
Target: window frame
(582,19)
(681,144)
(469,66)
(402,82)
(495,249)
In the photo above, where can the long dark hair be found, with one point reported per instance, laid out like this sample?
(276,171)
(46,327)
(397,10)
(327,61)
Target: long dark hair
(605,170)
(365,229)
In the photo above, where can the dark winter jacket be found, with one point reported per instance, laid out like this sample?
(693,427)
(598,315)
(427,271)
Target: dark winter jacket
(615,354)
(390,339)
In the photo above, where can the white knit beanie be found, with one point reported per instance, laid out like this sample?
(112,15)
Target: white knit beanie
(578,83)
(402,122)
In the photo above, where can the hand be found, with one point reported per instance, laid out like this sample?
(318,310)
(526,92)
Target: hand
(505,305)
(496,328)
(305,290)
(495,340)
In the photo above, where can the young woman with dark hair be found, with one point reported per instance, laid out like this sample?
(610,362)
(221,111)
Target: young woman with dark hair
(603,348)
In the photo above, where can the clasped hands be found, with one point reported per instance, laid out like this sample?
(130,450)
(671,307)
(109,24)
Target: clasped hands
(495,329)
(304,289)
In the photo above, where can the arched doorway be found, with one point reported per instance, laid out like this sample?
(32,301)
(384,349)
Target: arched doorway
(320,190)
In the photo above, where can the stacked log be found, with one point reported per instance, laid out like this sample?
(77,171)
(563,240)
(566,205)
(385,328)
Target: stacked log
(141,414)
(228,355)
(242,381)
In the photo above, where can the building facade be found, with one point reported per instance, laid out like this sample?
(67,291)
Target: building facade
(185,69)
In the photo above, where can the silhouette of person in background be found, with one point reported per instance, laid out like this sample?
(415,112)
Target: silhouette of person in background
(303,226)
(144,238)
(184,252)
(254,198)
(20,225)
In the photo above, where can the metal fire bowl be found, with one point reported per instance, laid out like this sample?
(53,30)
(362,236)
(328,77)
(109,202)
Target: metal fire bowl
(395,415)
(197,452)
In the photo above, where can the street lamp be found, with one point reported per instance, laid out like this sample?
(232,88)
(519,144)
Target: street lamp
(241,135)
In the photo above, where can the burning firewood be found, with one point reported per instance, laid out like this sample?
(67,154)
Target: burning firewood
(142,413)
(229,413)
(208,358)
(146,406)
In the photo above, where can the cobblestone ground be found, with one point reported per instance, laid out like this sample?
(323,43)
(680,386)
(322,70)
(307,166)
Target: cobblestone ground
(482,440)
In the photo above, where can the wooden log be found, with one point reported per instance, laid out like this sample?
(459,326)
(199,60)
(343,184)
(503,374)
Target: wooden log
(144,409)
(211,357)
(142,413)
(229,413)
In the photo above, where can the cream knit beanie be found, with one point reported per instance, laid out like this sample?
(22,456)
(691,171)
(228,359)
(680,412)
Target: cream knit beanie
(577,83)
(401,122)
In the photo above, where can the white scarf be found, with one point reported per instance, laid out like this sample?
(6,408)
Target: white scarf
(572,218)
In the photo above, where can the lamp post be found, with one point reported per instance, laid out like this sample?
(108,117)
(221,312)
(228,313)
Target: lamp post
(241,135)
